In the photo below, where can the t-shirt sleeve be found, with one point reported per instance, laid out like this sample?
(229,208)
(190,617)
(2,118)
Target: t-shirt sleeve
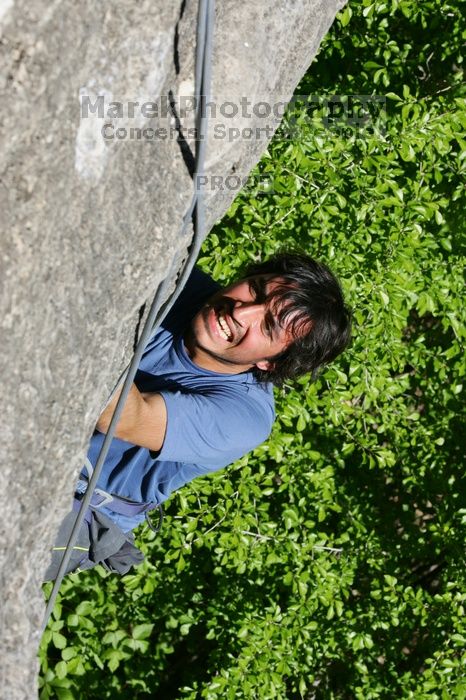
(213,429)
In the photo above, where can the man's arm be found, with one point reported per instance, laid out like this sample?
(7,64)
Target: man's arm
(143,421)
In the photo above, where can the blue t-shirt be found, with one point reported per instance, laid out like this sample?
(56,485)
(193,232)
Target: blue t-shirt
(212,418)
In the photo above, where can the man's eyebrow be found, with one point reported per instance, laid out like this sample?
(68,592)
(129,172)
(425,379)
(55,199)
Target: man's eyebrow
(271,324)
(258,284)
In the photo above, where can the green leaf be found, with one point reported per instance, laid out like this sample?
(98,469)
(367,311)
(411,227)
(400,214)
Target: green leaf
(59,641)
(61,669)
(142,631)
(345,16)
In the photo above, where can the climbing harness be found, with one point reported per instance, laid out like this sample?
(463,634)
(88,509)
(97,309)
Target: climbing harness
(158,311)
(118,504)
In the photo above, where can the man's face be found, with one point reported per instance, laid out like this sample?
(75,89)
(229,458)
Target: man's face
(236,330)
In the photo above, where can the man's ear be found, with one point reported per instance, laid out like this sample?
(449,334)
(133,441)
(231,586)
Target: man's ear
(265,365)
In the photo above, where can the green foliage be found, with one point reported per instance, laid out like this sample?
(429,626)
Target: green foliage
(328,563)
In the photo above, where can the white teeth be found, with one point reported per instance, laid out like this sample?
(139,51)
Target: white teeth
(223,327)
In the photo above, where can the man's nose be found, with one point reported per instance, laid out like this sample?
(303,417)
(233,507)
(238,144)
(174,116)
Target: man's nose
(248,312)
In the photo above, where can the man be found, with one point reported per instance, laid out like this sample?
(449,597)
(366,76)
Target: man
(203,396)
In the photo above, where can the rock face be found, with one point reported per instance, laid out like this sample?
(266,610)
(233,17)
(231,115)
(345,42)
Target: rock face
(91,221)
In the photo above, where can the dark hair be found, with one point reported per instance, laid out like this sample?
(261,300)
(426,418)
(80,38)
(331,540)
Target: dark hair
(310,303)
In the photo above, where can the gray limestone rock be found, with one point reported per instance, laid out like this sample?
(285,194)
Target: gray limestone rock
(91,222)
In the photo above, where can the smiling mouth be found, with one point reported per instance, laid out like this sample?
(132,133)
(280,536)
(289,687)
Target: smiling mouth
(223,327)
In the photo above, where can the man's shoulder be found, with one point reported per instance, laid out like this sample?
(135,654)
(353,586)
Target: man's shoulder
(250,401)
(216,425)
(252,414)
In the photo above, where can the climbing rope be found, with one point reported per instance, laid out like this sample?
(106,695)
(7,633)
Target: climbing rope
(158,311)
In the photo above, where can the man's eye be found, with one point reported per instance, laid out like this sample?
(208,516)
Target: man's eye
(257,290)
(268,328)
(253,288)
